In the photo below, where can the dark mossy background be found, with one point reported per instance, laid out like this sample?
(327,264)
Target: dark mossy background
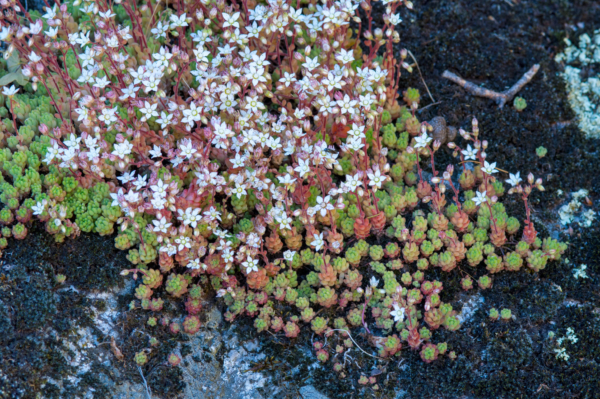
(491,43)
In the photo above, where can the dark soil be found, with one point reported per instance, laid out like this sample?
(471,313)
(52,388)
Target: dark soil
(39,317)
(491,43)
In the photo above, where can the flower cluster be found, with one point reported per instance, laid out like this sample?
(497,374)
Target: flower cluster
(256,151)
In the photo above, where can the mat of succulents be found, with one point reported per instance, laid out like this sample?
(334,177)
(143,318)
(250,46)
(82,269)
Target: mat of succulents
(286,163)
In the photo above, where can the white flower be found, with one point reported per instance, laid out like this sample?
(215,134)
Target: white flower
(357,131)
(251,265)
(422,140)
(50,12)
(127,177)
(155,152)
(4,33)
(489,168)
(160,30)
(376,179)
(470,153)
(253,104)
(148,111)
(347,106)
(38,208)
(106,15)
(395,19)
(285,222)
(287,79)
(178,21)
(169,248)
(311,64)
(52,32)
(140,182)
(33,57)
(231,20)
(73,141)
(101,82)
(303,167)
(317,241)
(398,313)
(345,56)
(480,198)
(129,92)
(286,180)
(374,282)
(189,217)
(213,214)
(240,190)
(514,179)
(9,91)
(108,116)
(353,182)
(165,119)
(324,204)
(163,57)
(51,153)
(289,255)
(187,148)
(194,264)
(184,242)
(122,149)
(132,197)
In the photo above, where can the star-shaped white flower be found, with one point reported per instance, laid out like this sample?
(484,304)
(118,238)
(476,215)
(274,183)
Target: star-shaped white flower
(9,91)
(480,198)
(514,179)
(289,255)
(318,242)
(251,265)
(470,153)
(398,313)
(422,140)
(489,168)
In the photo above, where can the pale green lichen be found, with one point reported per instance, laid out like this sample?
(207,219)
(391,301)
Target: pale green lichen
(583,87)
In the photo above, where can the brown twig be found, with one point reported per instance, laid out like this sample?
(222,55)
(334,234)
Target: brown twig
(420,74)
(500,98)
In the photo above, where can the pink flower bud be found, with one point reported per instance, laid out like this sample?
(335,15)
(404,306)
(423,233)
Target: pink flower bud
(530,178)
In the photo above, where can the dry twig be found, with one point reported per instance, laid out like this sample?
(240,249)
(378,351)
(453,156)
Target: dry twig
(500,98)
(421,75)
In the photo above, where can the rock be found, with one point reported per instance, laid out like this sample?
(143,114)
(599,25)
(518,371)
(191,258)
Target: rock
(441,131)
(310,392)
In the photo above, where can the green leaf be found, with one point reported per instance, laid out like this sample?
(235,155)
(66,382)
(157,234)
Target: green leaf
(13,63)
(10,77)
(15,73)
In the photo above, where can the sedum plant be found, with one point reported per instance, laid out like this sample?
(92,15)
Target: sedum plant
(253,150)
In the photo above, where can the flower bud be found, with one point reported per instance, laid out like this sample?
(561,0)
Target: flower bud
(538,182)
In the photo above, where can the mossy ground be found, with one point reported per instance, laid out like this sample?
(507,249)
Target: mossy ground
(491,43)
